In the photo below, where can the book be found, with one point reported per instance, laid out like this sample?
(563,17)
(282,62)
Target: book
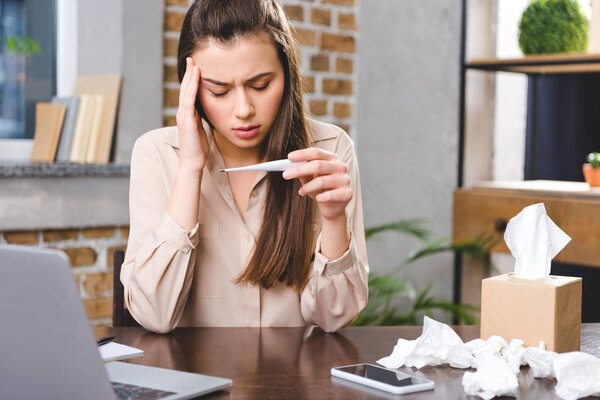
(68,130)
(82,129)
(48,124)
(108,86)
(115,351)
(95,130)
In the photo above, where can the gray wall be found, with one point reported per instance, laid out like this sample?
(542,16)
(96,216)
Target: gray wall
(126,37)
(408,127)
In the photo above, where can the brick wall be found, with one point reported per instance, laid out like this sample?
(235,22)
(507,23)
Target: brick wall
(90,254)
(327,32)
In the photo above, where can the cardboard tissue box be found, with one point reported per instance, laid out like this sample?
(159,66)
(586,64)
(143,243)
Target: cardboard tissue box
(547,310)
(530,304)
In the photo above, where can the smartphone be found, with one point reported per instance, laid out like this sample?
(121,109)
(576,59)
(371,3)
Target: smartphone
(382,378)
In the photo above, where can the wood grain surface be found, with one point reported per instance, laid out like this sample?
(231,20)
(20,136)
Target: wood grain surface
(295,363)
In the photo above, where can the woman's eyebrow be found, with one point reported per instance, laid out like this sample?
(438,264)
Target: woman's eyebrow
(253,79)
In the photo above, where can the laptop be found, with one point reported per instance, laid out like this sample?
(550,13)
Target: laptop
(48,350)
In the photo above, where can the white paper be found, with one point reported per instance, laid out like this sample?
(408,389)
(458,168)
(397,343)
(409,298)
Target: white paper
(534,239)
(494,377)
(540,361)
(114,351)
(438,344)
(577,375)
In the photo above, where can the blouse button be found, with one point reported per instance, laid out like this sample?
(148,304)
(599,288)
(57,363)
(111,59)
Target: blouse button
(254,194)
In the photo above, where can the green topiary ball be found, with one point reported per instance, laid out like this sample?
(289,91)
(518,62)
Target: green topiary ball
(553,26)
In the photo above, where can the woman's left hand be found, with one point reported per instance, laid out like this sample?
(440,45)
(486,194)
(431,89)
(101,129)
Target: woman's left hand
(324,178)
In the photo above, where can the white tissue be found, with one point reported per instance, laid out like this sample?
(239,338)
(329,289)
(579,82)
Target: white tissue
(534,239)
(438,344)
(494,377)
(577,375)
(540,361)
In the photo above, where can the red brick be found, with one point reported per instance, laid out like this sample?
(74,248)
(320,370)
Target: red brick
(183,3)
(348,3)
(319,62)
(171,97)
(337,86)
(173,21)
(342,110)
(98,308)
(170,73)
(124,232)
(347,21)
(305,37)
(98,233)
(318,107)
(169,120)
(344,65)
(335,42)
(94,284)
(56,235)
(295,13)
(170,47)
(21,237)
(320,16)
(81,256)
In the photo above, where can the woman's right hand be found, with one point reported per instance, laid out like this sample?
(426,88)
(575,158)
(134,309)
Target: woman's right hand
(193,143)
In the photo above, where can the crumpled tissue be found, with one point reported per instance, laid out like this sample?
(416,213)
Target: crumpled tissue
(577,375)
(494,377)
(534,239)
(497,362)
(438,344)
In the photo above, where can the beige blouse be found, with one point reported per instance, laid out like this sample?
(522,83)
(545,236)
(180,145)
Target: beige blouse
(173,277)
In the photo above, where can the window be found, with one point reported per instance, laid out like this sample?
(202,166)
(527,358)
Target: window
(26,80)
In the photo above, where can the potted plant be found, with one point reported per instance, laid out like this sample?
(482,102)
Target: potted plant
(553,26)
(591,169)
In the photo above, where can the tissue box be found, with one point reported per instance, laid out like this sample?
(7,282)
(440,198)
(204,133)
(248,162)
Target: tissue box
(546,310)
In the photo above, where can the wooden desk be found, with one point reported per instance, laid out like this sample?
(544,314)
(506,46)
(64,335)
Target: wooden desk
(295,363)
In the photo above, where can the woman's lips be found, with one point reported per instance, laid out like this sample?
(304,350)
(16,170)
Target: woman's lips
(246,132)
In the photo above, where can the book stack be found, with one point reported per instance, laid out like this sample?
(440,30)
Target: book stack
(78,128)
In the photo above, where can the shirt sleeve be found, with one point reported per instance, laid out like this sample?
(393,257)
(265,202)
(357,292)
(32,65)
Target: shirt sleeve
(159,263)
(338,289)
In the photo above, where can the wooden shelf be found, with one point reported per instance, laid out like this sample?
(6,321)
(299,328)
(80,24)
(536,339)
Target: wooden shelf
(540,64)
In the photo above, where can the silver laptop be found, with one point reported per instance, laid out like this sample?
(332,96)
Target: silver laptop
(48,350)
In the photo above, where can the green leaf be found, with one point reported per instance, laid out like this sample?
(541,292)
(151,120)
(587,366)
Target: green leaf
(22,45)
(413,227)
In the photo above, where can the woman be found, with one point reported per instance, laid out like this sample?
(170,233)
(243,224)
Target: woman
(209,248)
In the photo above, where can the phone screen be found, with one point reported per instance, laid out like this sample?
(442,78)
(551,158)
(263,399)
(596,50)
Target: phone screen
(382,375)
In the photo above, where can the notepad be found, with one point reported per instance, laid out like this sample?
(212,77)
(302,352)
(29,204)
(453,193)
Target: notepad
(114,351)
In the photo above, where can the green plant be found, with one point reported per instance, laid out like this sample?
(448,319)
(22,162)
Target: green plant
(386,290)
(553,26)
(22,45)
(594,159)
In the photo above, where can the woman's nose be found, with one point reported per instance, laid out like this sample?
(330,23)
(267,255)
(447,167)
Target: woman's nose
(244,107)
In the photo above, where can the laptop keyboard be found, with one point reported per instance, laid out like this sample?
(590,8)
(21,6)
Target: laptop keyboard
(125,392)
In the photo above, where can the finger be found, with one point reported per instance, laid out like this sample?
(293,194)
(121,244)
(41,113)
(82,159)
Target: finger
(322,183)
(192,89)
(316,167)
(186,75)
(184,84)
(341,195)
(312,153)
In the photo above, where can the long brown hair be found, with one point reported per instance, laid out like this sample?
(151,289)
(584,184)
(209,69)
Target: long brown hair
(286,240)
